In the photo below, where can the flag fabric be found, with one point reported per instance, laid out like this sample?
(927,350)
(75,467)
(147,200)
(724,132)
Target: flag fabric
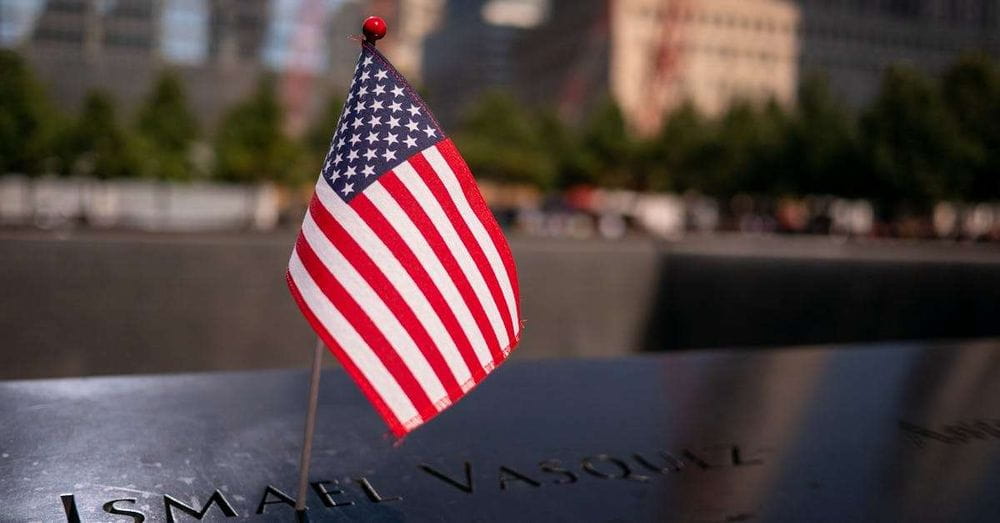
(400,267)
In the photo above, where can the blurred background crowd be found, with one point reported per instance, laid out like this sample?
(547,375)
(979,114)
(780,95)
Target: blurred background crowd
(582,118)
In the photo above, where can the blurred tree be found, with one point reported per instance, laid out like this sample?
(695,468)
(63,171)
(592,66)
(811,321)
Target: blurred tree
(319,135)
(608,153)
(167,130)
(770,171)
(28,123)
(316,142)
(971,89)
(730,159)
(563,145)
(96,145)
(822,144)
(501,141)
(912,142)
(250,145)
(671,158)
(917,142)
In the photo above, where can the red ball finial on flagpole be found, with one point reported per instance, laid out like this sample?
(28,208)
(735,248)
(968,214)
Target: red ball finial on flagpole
(374,29)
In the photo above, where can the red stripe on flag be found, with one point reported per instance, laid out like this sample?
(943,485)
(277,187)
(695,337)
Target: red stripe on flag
(392,239)
(482,210)
(398,427)
(433,182)
(371,272)
(354,314)
(412,208)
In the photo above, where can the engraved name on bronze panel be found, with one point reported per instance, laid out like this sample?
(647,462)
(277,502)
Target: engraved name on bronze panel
(639,467)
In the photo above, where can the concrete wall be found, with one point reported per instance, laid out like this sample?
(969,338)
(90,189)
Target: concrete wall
(108,304)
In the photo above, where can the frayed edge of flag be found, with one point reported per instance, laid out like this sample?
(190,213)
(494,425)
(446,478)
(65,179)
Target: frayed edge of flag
(420,421)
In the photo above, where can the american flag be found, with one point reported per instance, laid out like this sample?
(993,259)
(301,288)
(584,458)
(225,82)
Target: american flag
(399,267)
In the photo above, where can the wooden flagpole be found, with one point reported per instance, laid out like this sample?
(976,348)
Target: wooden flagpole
(300,498)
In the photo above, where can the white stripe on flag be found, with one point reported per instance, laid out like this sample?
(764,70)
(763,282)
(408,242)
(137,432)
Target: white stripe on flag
(450,181)
(352,343)
(414,239)
(411,179)
(385,321)
(376,249)
(414,298)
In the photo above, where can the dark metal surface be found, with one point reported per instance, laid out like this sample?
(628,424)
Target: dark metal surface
(887,433)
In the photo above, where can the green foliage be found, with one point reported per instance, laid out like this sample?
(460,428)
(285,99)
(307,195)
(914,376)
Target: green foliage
(971,90)
(96,145)
(672,158)
(743,150)
(500,140)
(912,142)
(922,139)
(250,144)
(562,145)
(167,129)
(822,144)
(317,139)
(319,135)
(28,124)
(607,151)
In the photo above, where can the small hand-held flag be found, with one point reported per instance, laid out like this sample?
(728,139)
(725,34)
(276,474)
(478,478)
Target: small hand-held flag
(399,267)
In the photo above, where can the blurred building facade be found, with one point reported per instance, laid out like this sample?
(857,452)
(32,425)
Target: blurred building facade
(219,47)
(852,42)
(475,48)
(664,52)
(567,55)
(647,55)
(564,60)
(652,55)
(410,22)
(79,45)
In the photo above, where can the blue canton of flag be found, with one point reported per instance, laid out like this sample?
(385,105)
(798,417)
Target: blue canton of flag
(383,122)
